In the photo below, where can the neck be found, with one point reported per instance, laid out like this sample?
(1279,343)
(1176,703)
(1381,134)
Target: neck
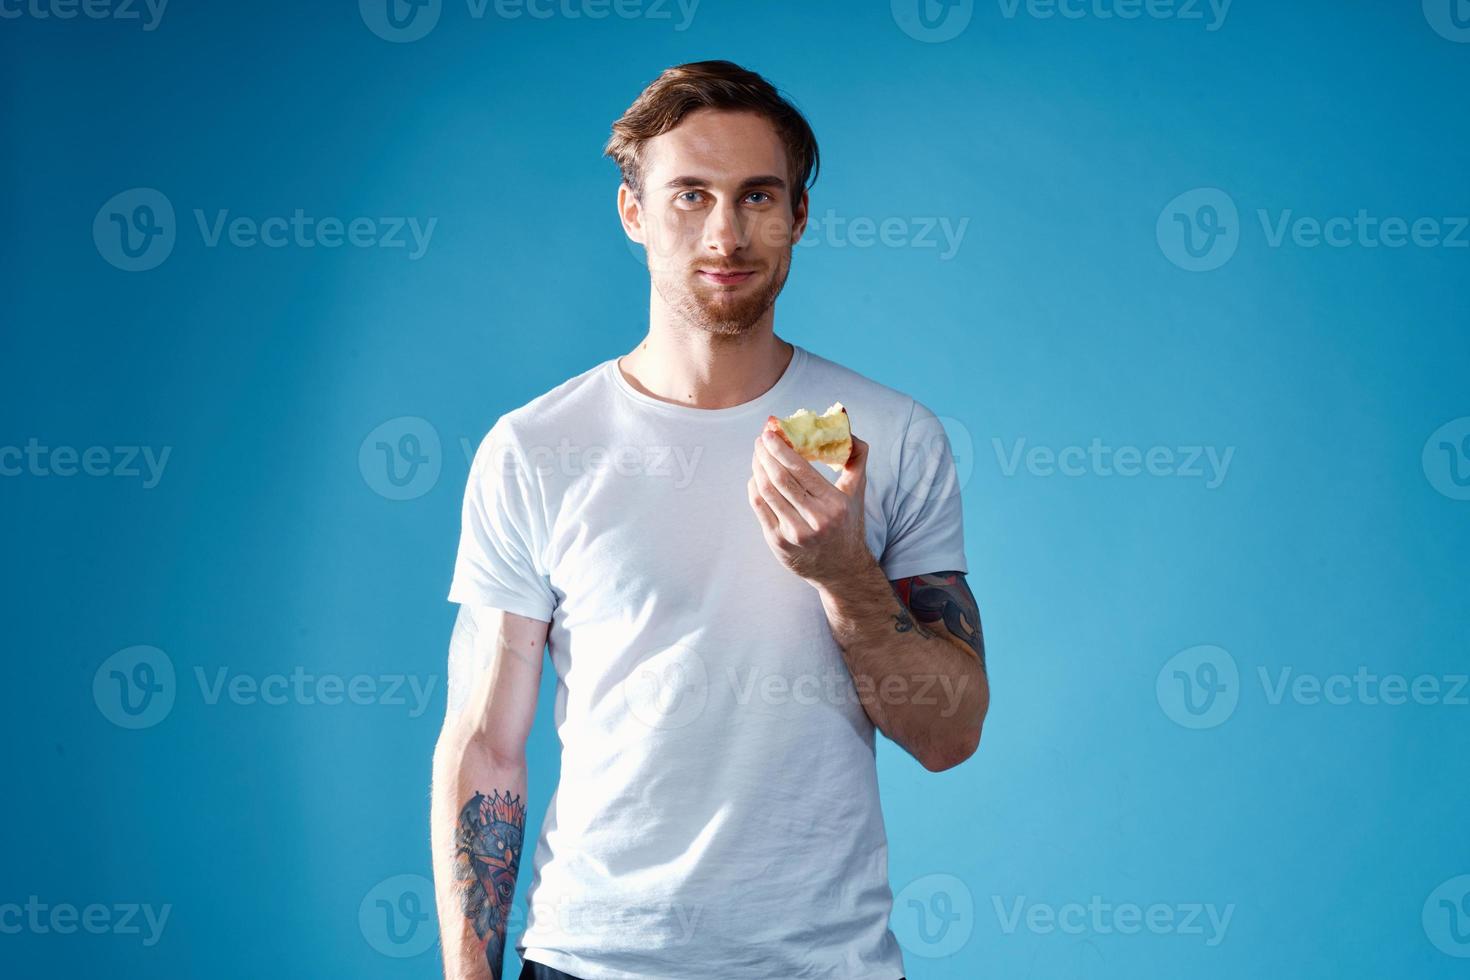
(702,370)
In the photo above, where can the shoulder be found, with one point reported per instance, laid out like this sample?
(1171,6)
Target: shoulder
(886,411)
(538,421)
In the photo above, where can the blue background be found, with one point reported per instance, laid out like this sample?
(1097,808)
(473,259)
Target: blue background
(1063,316)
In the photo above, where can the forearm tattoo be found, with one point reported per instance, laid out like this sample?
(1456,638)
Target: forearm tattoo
(487,857)
(944,597)
(904,623)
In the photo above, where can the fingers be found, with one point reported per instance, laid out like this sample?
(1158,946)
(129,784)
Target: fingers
(791,498)
(769,524)
(793,525)
(854,476)
(790,460)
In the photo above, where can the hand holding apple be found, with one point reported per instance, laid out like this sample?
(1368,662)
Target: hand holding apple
(814,527)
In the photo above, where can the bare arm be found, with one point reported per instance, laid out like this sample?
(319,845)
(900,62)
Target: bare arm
(922,683)
(478,808)
(917,658)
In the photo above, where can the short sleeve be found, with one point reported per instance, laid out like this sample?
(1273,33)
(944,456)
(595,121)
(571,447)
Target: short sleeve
(498,564)
(926,528)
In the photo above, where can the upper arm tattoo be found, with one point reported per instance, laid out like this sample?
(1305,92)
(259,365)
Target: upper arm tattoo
(944,597)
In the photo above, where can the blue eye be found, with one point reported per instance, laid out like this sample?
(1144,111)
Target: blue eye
(761,193)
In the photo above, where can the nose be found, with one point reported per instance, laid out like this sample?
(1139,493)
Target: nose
(724,231)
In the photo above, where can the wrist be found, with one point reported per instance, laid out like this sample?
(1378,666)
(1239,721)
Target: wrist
(853,580)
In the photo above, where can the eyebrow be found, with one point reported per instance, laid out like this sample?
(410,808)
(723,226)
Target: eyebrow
(764,180)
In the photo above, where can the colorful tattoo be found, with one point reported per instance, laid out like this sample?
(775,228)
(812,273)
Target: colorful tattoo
(487,857)
(944,597)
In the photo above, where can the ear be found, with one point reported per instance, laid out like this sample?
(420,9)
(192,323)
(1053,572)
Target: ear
(630,213)
(799,216)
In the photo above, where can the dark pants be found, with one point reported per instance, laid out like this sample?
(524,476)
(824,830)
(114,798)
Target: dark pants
(531,970)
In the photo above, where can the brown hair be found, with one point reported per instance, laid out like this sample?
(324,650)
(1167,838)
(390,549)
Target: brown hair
(682,89)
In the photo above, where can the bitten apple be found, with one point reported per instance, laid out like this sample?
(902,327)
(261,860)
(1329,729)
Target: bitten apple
(825,438)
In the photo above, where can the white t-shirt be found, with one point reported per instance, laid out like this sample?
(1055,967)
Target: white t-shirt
(718,811)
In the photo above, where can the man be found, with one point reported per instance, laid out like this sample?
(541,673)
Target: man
(728,623)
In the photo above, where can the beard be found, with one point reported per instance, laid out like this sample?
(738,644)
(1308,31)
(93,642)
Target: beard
(719,311)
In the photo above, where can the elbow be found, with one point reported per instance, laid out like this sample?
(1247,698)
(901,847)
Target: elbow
(949,756)
(460,748)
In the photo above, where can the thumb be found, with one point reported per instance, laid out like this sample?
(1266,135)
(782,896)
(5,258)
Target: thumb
(854,475)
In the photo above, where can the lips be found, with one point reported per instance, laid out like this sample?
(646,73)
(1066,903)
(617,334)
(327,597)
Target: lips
(726,277)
